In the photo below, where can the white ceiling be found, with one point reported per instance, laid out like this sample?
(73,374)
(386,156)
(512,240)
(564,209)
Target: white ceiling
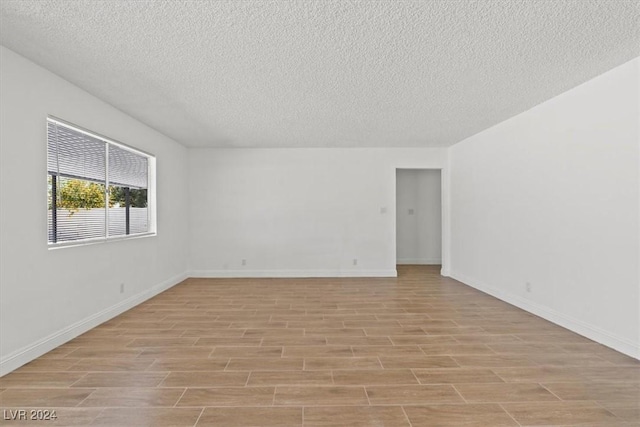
(323,73)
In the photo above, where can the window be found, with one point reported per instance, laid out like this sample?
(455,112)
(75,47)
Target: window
(97,188)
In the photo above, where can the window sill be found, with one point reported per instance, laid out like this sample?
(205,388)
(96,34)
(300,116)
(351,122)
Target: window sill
(88,242)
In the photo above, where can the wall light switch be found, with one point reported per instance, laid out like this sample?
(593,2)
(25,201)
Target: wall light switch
(383,210)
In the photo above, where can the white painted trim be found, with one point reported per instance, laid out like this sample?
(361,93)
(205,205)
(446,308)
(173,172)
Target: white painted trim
(623,345)
(32,351)
(419,261)
(290,273)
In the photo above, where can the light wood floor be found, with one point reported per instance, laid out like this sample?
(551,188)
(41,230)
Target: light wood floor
(419,350)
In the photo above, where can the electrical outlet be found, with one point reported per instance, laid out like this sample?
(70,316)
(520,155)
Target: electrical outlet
(122,288)
(244,262)
(355,261)
(528,286)
(411,211)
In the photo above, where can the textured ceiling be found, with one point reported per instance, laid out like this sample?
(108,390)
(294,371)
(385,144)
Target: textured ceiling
(323,73)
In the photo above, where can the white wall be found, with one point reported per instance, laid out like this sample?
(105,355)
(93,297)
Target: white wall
(551,197)
(296,212)
(49,296)
(418,216)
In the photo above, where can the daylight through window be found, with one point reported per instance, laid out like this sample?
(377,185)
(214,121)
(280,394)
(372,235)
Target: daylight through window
(97,189)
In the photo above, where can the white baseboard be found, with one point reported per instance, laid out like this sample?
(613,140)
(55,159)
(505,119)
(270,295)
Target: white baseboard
(419,261)
(32,351)
(290,273)
(623,345)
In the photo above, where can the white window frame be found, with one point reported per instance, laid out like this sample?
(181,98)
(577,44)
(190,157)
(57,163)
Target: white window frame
(151,190)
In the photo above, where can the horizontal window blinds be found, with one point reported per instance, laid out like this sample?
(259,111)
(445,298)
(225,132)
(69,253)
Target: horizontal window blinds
(127,169)
(97,188)
(73,154)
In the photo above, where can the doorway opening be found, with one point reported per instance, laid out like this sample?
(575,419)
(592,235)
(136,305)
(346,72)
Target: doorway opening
(419,218)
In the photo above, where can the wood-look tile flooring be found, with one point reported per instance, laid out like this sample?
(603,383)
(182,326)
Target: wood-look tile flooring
(420,350)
